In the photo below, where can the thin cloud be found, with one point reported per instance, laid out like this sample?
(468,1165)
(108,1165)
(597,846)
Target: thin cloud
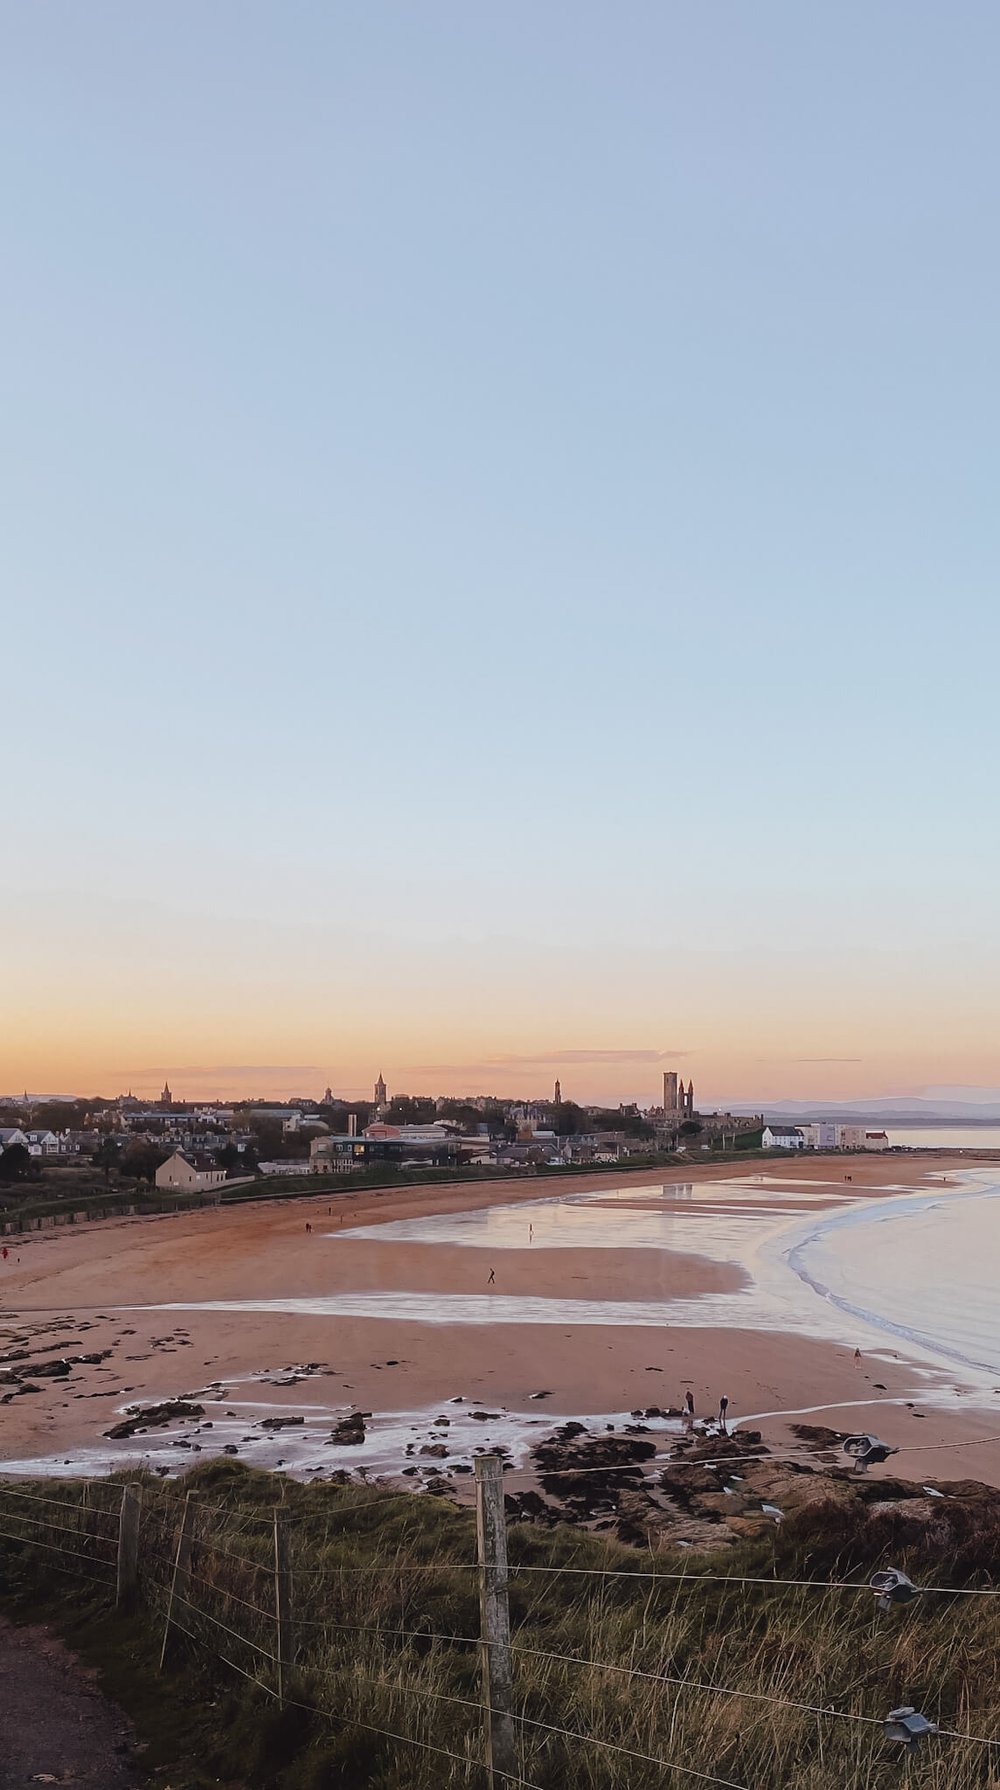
(543,1059)
(826,1059)
(228,1069)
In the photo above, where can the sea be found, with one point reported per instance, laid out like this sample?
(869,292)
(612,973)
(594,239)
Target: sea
(921,1268)
(954,1137)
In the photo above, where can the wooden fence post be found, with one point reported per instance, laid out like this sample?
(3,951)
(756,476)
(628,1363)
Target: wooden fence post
(494,1615)
(128,1544)
(282,1605)
(180,1584)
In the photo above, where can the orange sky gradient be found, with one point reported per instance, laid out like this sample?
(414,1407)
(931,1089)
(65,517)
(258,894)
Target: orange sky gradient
(102,994)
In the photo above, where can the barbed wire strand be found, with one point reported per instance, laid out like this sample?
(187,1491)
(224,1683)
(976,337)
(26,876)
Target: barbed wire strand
(33,1541)
(9,1491)
(698,1578)
(402,1634)
(349,1721)
(244,1640)
(720,1690)
(15,1516)
(707,1777)
(222,1591)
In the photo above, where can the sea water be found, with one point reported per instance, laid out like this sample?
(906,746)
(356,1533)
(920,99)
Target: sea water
(922,1268)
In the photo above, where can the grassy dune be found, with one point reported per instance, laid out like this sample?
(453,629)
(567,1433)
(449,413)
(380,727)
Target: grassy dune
(387,1618)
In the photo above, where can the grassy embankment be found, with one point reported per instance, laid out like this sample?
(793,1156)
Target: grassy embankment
(386,1606)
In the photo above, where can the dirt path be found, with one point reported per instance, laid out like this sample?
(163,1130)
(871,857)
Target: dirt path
(55,1727)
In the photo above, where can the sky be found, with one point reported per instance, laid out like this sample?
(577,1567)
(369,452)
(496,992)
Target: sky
(500,547)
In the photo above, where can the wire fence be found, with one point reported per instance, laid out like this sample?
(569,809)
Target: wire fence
(423,1652)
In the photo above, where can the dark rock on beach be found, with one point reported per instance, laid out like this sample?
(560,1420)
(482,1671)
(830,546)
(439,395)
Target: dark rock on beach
(147,1417)
(349,1431)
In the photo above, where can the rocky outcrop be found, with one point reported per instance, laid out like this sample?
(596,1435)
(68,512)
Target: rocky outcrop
(349,1431)
(719,1490)
(146,1417)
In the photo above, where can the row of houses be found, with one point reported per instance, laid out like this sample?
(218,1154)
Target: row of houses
(443,1144)
(824,1134)
(49,1143)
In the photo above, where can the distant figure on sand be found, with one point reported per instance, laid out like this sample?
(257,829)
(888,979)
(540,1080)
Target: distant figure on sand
(689,1402)
(857,1354)
(723,1408)
(308,1226)
(492,1280)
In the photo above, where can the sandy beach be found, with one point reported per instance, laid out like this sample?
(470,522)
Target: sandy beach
(584,1317)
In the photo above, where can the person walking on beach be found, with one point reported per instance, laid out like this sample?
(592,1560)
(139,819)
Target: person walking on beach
(492,1280)
(689,1403)
(723,1409)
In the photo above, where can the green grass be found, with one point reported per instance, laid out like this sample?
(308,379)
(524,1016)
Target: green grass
(387,1616)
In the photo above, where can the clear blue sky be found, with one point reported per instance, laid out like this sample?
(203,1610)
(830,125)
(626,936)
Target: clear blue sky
(501,540)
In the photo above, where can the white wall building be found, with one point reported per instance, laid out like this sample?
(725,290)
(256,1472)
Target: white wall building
(823,1134)
(851,1137)
(179,1172)
(783,1137)
(826,1134)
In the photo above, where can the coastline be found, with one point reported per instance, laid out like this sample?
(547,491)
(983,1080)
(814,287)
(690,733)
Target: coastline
(106,1287)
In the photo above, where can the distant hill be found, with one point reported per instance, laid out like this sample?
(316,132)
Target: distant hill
(888,1110)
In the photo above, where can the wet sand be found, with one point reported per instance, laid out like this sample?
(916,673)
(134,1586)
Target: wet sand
(90,1288)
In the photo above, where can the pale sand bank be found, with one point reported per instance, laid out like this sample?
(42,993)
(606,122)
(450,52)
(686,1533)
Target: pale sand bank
(72,1288)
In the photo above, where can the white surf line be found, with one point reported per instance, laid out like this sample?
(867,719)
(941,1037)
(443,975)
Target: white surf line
(847,1404)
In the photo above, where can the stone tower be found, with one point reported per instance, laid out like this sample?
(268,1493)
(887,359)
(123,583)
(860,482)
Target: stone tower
(380,1091)
(557,1101)
(670,1090)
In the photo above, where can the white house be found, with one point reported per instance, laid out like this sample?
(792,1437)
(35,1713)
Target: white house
(876,1140)
(42,1143)
(189,1174)
(9,1134)
(783,1137)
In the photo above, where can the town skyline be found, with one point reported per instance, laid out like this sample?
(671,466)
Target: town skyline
(194,1087)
